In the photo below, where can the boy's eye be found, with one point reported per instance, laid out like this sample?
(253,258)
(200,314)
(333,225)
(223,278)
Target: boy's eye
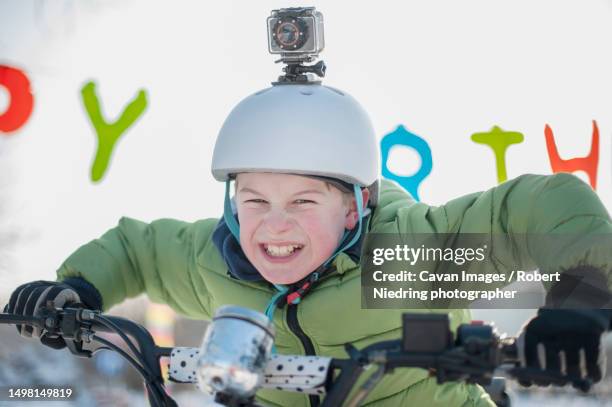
(303,201)
(259,201)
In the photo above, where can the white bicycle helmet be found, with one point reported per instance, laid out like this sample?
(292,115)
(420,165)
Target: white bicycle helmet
(307,129)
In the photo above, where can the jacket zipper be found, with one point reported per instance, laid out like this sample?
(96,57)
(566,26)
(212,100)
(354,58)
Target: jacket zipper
(294,326)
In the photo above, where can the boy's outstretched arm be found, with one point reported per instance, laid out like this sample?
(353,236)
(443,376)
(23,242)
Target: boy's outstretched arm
(555,224)
(551,223)
(158,258)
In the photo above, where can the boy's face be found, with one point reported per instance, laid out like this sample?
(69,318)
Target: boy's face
(289,224)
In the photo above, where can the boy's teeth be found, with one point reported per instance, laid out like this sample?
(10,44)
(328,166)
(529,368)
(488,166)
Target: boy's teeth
(280,251)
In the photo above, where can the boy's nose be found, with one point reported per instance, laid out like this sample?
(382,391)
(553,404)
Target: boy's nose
(277,221)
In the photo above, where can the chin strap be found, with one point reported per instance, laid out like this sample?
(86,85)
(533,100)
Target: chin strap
(282,290)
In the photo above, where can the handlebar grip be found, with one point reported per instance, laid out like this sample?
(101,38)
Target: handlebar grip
(305,374)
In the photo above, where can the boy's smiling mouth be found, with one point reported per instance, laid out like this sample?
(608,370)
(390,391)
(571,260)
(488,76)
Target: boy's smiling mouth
(280,251)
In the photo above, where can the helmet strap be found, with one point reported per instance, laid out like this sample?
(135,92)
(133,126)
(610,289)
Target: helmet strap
(272,304)
(228,213)
(356,236)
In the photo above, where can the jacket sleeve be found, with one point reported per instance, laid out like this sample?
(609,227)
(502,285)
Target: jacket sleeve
(159,258)
(552,223)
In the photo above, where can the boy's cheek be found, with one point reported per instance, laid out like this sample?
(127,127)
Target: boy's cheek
(247,225)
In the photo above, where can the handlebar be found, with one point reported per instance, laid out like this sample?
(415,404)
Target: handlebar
(78,325)
(472,357)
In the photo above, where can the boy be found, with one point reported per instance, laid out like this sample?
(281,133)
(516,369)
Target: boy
(304,158)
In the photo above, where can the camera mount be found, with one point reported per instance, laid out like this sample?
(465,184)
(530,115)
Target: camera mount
(295,72)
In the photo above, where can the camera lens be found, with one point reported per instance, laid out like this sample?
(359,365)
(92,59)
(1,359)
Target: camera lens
(290,33)
(287,34)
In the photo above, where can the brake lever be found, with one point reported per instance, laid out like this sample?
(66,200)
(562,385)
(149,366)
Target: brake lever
(68,323)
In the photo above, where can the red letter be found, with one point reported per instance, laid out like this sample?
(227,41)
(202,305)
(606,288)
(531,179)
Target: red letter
(587,164)
(21,100)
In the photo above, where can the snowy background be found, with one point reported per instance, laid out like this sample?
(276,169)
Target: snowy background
(444,69)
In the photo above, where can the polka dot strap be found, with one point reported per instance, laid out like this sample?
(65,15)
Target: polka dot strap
(183,365)
(305,374)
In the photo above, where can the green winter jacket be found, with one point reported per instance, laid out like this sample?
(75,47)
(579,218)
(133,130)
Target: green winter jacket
(176,263)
